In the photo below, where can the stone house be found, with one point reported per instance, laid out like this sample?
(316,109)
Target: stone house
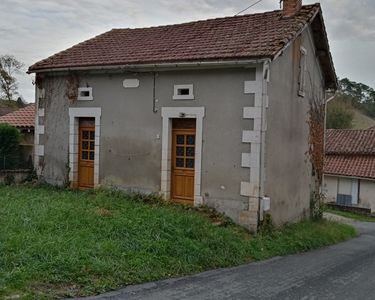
(350,168)
(211,112)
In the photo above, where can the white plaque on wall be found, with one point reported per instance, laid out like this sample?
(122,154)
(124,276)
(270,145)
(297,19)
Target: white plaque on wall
(131,83)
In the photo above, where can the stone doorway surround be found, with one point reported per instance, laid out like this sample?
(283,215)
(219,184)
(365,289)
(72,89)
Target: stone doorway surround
(74,115)
(169,113)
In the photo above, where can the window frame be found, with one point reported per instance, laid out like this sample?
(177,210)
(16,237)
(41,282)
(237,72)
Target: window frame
(85,98)
(302,74)
(177,96)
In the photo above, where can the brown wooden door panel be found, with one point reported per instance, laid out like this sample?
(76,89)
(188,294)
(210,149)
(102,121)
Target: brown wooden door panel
(86,176)
(86,155)
(183,161)
(184,186)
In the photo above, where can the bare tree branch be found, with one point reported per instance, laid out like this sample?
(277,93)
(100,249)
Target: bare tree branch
(9,67)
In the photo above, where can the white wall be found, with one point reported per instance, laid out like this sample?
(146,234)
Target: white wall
(367,194)
(344,185)
(330,188)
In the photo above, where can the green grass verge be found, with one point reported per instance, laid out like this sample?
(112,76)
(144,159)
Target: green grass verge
(58,243)
(351,215)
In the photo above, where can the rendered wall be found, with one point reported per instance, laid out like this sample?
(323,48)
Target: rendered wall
(130,141)
(366,190)
(288,168)
(367,194)
(330,188)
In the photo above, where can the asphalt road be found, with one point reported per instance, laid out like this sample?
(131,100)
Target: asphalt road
(343,271)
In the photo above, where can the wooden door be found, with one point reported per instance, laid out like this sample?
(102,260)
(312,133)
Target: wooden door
(183,161)
(86,154)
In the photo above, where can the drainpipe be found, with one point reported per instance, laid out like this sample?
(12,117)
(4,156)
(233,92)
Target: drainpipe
(265,80)
(154,100)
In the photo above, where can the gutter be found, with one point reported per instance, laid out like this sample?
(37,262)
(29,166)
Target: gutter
(155,66)
(349,176)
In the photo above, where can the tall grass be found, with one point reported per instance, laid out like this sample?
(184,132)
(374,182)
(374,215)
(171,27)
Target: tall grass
(58,243)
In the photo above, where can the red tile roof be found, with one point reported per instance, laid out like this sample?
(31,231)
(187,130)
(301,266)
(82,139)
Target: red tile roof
(341,141)
(350,153)
(241,37)
(6,110)
(353,166)
(22,118)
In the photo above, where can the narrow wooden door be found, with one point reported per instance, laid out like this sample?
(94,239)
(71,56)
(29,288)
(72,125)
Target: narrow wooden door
(86,154)
(183,161)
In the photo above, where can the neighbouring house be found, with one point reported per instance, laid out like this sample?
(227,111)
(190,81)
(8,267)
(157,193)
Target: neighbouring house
(211,112)
(350,168)
(6,110)
(24,120)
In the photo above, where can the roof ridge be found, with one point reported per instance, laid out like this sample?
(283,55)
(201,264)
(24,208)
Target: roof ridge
(247,36)
(215,19)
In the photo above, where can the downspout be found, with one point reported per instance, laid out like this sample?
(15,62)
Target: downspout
(154,100)
(265,80)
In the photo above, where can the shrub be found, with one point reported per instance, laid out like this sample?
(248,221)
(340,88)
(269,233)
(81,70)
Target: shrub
(9,146)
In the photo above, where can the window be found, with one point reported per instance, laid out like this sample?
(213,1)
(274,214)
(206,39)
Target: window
(302,75)
(87,144)
(185,151)
(347,191)
(183,92)
(85,94)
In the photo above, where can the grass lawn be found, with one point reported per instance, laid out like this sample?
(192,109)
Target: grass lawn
(351,215)
(57,243)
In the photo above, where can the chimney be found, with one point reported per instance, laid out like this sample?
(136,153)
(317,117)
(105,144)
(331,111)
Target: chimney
(291,7)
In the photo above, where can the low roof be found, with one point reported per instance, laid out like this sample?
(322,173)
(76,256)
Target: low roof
(350,153)
(361,166)
(22,118)
(6,110)
(254,36)
(347,141)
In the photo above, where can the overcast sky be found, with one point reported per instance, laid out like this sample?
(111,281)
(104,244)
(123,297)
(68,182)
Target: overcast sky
(35,29)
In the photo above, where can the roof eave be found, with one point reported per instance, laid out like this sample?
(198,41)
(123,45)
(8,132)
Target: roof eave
(162,65)
(331,81)
(348,176)
(324,54)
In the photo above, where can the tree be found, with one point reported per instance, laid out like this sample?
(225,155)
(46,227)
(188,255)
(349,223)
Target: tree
(359,91)
(9,66)
(361,95)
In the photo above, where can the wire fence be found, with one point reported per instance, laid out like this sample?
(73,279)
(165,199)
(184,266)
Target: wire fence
(15,161)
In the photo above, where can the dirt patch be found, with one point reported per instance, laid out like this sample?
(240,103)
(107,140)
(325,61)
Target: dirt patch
(58,290)
(103,212)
